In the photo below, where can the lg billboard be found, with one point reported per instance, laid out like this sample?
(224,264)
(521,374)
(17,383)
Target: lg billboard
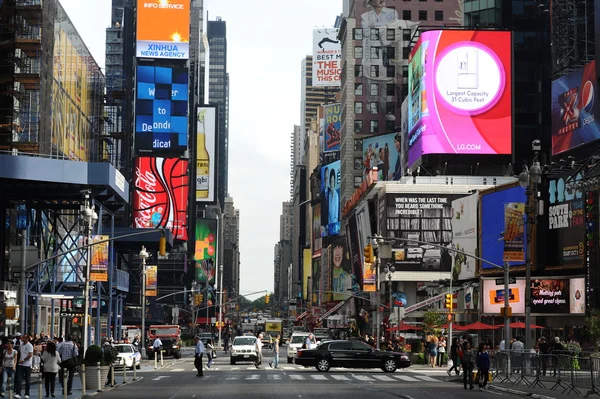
(460,94)
(163,29)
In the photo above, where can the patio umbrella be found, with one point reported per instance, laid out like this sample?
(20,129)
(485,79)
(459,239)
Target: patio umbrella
(479,326)
(520,324)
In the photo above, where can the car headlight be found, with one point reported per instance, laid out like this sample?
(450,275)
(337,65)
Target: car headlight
(175,346)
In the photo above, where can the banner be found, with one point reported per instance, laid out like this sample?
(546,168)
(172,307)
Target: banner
(464,236)
(151,280)
(341,273)
(205,250)
(514,232)
(327,58)
(206,154)
(316,231)
(99,261)
(332,127)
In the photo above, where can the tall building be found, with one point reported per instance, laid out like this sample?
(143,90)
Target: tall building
(286,222)
(283,254)
(219,94)
(231,245)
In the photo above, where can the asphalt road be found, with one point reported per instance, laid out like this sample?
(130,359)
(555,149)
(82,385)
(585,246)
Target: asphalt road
(177,380)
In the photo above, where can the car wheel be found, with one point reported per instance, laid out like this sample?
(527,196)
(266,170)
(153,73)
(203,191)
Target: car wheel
(231,361)
(323,365)
(289,359)
(389,366)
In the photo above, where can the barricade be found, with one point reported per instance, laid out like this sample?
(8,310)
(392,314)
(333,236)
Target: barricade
(594,376)
(564,374)
(501,369)
(530,370)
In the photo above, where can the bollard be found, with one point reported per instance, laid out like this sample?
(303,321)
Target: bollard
(113,378)
(155,361)
(82,373)
(9,386)
(99,376)
(40,385)
(135,369)
(65,381)
(125,371)
(162,360)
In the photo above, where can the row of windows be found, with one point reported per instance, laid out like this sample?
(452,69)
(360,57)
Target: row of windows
(390,89)
(374,71)
(373,107)
(373,126)
(390,34)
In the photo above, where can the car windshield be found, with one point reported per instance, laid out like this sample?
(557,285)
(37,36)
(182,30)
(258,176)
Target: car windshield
(244,341)
(124,349)
(165,331)
(298,339)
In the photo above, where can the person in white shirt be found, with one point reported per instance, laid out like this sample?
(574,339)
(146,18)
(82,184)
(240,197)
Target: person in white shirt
(156,346)
(258,349)
(51,360)
(24,367)
(9,365)
(198,356)
(502,345)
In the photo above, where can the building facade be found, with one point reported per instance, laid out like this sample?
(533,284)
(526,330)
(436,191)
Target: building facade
(231,251)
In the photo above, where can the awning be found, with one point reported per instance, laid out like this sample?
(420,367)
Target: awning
(333,309)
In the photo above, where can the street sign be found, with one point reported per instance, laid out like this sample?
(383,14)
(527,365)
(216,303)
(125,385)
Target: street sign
(511,280)
(17,275)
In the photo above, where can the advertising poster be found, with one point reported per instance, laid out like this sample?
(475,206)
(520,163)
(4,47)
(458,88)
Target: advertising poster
(514,232)
(330,199)
(493,296)
(492,224)
(161,110)
(99,261)
(206,153)
(468,292)
(384,153)
(160,195)
(575,109)
(205,250)
(163,29)
(327,58)
(316,231)
(306,273)
(460,93)
(550,296)
(577,296)
(566,224)
(341,273)
(151,280)
(316,281)
(464,236)
(421,217)
(356,251)
(332,127)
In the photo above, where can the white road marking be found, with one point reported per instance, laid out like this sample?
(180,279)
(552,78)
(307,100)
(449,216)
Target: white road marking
(297,377)
(234,368)
(274,377)
(427,378)
(318,377)
(383,378)
(405,378)
(340,378)
(253,377)
(362,378)
(178,370)
(231,378)
(160,377)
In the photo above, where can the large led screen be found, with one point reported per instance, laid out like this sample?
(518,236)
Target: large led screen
(330,199)
(384,153)
(205,250)
(460,94)
(558,296)
(493,296)
(161,110)
(574,109)
(163,29)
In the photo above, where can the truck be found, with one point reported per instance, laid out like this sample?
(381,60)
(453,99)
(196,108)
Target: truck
(170,336)
(274,327)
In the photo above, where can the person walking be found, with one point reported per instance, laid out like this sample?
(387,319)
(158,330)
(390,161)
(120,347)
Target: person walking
(275,362)
(441,351)
(467,364)
(68,354)
(9,365)
(50,359)
(198,356)
(483,367)
(24,367)
(226,342)
(454,357)
(209,352)
(258,349)
(433,350)
(157,347)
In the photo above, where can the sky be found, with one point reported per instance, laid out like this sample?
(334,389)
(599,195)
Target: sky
(267,41)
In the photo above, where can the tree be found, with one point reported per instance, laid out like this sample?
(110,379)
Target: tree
(432,320)
(593,322)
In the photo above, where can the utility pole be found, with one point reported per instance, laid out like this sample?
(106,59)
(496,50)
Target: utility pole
(23,282)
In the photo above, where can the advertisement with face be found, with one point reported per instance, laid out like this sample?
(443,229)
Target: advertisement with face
(206,153)
(327,58)
(464,236)
(163,29)
(577,295)
(341,274)
(160,195)
(330,199)
(161,109)
(460,93)
(384,153)
(493,296)
(575,109)
(332,127)
(205,250)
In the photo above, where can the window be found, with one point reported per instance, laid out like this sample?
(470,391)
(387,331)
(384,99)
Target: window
(358,52)
(374,71)
(374,89)
(358,71)
(422,15)
(391,53)
(389,108)
(390,71)
(358,126)
(374,126)
(357,181)
(357,34)
(406,15)
(390,35)
(374,34)
(390,89)
(374,108)
(439,15)
(439,1)
(358,144)
(358,107)
(405,71)
(406,34)
(357,163)
(374,53)
(341,346)
(405,52)
(358,89)
(390,126)
(361,346)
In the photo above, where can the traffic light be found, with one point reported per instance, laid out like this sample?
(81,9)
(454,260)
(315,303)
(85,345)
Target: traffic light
(448,302)
(369,254)
(162,246)
(267,298)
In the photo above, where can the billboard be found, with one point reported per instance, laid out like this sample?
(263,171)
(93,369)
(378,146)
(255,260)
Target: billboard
(330,199)
(327,58)
(384,153)
(205,253)
(99,261)
(161,109)
(575,109)
(460,94)
(317,244)
(341,271)
(464,236)
(514,232)
(558,296)
(566,224)
(206,153)
(493,296)
(492,224)
(151,280)
(77,94)
(163,29)
(160,195)
(332,127)
(307,273)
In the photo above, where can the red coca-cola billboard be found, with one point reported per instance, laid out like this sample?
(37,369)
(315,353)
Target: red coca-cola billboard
(160,195)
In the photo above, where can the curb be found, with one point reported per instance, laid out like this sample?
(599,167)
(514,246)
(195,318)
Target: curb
(88,395)
(519,393)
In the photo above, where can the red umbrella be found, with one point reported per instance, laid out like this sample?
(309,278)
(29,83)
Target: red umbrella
(520,324)
(404,327)
(455,326)
(479,326)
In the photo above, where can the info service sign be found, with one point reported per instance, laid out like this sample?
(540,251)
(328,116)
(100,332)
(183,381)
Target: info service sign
(163,29)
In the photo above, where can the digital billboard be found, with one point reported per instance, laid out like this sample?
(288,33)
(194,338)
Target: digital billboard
(317,243)
(558,296)
(460,93)
(330,199)
(160,195)
(493,296)
(327,58)
(163,29)
(161,109)
(332,127)
(385,154)
(206,153)
(575,109)
(464,236)
(205,252)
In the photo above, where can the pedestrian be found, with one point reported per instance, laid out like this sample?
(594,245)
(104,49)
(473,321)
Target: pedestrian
(198,356)
(24,367)
(454,357)
(9,365)
(483,367)
(517,348)
(441,351)
(209,352)
(50,360)
(433,347)
(258,349)
(68,354)
(226,342)
(467,364)
(275,362)
(136,342)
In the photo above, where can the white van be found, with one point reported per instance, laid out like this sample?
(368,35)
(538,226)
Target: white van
(296,341)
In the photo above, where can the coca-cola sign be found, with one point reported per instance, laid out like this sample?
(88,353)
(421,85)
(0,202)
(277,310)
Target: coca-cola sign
(161,194)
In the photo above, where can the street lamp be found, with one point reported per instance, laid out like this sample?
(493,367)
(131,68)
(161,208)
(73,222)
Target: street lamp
(529,178)
(389,270)
(143,256)
(89,217)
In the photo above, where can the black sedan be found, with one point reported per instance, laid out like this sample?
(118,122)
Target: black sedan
(351,354)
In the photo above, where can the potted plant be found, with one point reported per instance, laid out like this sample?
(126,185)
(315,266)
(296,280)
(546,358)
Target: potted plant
(97,359)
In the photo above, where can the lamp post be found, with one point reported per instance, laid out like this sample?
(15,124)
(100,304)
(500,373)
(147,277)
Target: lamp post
(529,179)
(220,303)
(89,217)
(143,256)
(389,270)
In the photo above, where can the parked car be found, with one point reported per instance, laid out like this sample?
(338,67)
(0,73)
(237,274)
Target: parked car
(242,350)
(351,354)
(295,343)
(128,356)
